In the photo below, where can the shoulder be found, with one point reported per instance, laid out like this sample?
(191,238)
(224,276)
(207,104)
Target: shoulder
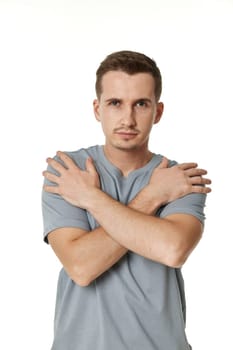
(157,158)
(79,156)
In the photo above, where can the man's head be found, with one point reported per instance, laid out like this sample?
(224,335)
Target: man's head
(131,63)
(128,89)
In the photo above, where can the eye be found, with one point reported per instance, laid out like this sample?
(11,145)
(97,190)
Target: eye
(115,103)
(141,103)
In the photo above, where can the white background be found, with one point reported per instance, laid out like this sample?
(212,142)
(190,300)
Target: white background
(49,52)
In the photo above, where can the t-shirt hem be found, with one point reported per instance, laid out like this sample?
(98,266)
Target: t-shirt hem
(69,223)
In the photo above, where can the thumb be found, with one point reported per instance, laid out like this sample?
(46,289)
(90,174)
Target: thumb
(90,166)
(164,163)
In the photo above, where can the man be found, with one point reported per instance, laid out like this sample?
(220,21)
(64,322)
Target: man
(122,220)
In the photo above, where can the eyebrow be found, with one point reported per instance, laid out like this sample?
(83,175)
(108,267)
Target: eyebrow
(145,99)
(138,100)
(112,99)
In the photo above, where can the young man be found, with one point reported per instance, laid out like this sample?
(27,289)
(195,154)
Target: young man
(122,220)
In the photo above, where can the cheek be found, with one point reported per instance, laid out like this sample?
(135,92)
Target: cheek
(106,125)
(146,124)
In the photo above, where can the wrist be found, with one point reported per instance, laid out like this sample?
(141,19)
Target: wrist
(145,203)
(91,198)
(96,201)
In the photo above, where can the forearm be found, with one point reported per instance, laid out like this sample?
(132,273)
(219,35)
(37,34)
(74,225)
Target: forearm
(97,251)
(154,238)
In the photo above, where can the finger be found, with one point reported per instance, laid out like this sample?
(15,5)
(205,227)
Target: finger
(51,177)
(164,163)
(51,189)
(199,180)
(68,161)
(201,189)
(186,166)
(195,172)
(90,167)
(55,165)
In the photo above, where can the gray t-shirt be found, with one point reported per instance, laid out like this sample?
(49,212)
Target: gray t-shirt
(137,304)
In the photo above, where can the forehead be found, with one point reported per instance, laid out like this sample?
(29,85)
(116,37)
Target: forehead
(122,85)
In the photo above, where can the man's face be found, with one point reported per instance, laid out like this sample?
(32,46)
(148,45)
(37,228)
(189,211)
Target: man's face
(127,109)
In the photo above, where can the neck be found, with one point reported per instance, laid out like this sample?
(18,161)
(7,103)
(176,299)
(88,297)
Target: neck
(128,160)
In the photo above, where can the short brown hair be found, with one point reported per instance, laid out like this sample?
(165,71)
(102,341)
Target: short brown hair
(131,63)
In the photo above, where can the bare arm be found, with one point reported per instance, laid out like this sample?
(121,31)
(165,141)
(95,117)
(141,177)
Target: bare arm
(168,241)
(86,256)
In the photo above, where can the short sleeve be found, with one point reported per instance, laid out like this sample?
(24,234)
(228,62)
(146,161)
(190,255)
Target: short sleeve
(57,213)
(192,204)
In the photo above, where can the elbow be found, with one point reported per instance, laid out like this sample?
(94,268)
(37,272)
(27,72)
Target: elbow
(177,255)
(80,276)
(181,249)
(176,260)
(180,253)
(82,282)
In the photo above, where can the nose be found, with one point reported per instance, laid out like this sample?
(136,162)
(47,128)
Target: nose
(128,117)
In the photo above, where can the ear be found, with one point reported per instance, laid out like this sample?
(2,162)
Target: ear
(96,109)
(159,112)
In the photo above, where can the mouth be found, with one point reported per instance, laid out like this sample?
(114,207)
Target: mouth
(126,134)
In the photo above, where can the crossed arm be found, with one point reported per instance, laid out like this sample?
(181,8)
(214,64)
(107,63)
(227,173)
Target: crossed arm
(168,241)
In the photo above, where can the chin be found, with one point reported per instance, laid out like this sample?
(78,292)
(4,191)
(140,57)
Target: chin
(126,147)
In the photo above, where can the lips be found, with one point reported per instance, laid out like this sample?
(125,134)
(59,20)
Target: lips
(126,132)
(126,135)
